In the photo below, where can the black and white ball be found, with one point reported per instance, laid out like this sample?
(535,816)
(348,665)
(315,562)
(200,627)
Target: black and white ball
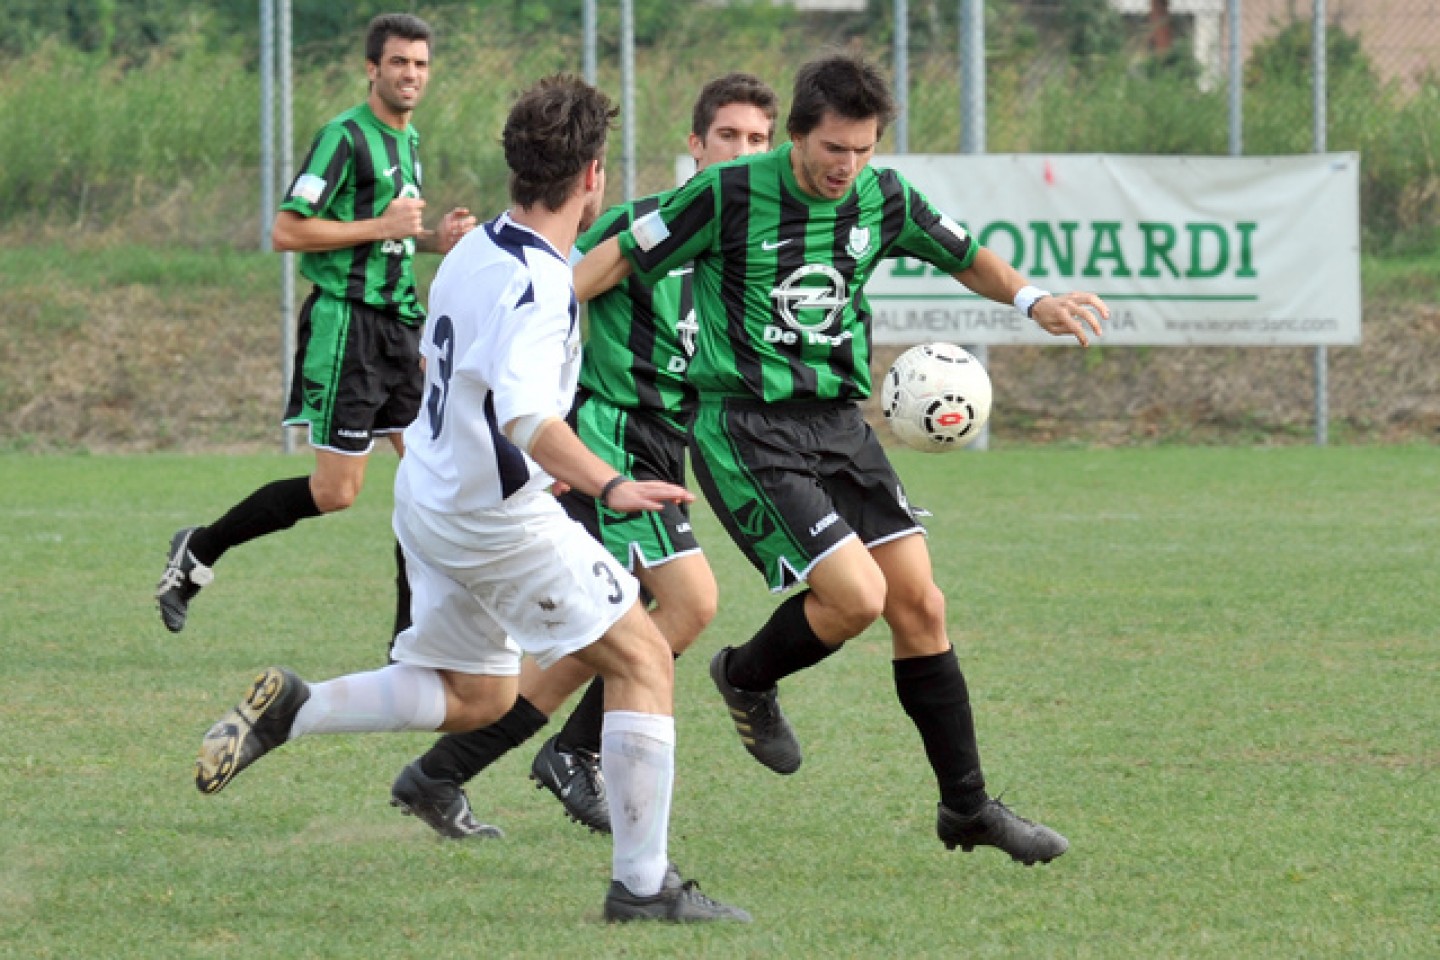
(936,397)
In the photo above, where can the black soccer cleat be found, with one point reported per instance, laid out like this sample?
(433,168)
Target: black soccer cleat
(441,804)
(679,901)
(182,579)
(576,781)
(996,825)
(758,719)
(255,726)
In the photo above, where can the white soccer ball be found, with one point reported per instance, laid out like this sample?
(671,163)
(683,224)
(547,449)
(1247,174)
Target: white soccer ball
(936,397)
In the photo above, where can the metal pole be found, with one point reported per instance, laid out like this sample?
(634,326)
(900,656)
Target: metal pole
(267,119)
(627,94)
(591,41)
(902,75)
(1237,115)
(287,173)
(1322,375)
(972,126)
(972,76)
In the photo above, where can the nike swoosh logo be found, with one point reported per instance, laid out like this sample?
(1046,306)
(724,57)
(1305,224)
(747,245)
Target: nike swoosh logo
(391,171)
(768,245)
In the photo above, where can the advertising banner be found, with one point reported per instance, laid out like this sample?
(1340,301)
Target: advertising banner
(1245,251)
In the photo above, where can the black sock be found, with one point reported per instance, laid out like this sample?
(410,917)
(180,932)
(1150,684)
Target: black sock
(274,507)
(402,595)
(582,730)
(460,756)
(786,644)
(932,690)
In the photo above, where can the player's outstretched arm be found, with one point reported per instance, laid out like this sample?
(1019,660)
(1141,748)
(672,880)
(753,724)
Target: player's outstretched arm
(601,269)
(565,457)
(1068,314)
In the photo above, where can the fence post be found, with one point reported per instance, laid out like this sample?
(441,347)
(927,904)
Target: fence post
(627,94)
(1322,365)
(590,41)
(287,163)
(972,127)
(902,75)
(267,120)
(1236,75)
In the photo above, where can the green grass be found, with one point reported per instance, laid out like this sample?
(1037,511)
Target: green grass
(1214,669)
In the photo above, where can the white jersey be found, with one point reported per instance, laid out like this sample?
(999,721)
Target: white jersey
(502,341)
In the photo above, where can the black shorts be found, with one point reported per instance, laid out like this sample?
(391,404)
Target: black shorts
(644,446)
(791,481)
(357,374)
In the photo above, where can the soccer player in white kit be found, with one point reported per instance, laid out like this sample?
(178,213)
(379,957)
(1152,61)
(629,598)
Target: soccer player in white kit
(496,567)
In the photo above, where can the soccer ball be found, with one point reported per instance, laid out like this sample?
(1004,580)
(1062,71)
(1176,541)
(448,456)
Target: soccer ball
(936,397)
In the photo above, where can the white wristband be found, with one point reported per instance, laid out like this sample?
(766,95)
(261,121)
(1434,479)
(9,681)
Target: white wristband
(1025,300)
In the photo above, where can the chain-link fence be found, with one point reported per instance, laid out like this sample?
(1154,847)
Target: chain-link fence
(1202,77)
(159,145)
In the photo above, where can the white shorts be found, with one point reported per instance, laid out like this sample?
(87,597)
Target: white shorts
(489,586)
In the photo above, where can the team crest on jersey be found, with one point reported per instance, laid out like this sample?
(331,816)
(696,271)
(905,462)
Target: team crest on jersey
(859,242)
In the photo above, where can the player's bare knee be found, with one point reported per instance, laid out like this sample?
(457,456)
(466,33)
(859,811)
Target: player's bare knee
(866,605)
(639,656)
(688,623)
(848,613)
(330,498)
(918,611)
(703,611)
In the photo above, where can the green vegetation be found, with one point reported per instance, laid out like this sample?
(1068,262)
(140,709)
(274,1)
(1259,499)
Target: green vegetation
(1212,669)
(102,121)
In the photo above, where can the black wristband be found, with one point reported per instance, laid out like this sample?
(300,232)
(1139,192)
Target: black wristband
(610,485)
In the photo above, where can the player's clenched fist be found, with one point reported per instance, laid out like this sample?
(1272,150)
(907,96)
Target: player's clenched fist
(402,219)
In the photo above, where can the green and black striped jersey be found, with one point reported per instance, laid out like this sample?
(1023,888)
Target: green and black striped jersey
(780,275)
(355,167)
(640,337)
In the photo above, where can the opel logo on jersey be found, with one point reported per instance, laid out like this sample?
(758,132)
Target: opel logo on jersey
(812,297)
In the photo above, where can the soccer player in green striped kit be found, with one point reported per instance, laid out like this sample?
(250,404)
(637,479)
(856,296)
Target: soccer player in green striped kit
(782,244)
(354,213)
(633,409)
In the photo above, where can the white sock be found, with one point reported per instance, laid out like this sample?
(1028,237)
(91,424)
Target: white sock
(396,697)
(637,756)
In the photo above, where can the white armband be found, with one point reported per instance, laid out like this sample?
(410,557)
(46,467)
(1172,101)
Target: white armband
(1026,299)
(523,430)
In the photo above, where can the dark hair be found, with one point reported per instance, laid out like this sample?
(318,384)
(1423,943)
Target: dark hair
(732,88)
(403,25)
(844,84)
(554,131)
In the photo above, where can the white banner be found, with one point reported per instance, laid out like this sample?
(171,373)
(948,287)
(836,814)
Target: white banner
(1185,250)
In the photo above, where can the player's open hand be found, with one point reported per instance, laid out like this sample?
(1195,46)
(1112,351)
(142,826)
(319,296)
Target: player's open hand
(1068,314)
(635,495)
(453,226)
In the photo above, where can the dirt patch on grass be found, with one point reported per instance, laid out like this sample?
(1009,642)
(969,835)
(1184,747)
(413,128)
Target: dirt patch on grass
(141,368)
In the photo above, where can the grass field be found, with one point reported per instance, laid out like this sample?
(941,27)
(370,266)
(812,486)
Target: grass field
(1215,670)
